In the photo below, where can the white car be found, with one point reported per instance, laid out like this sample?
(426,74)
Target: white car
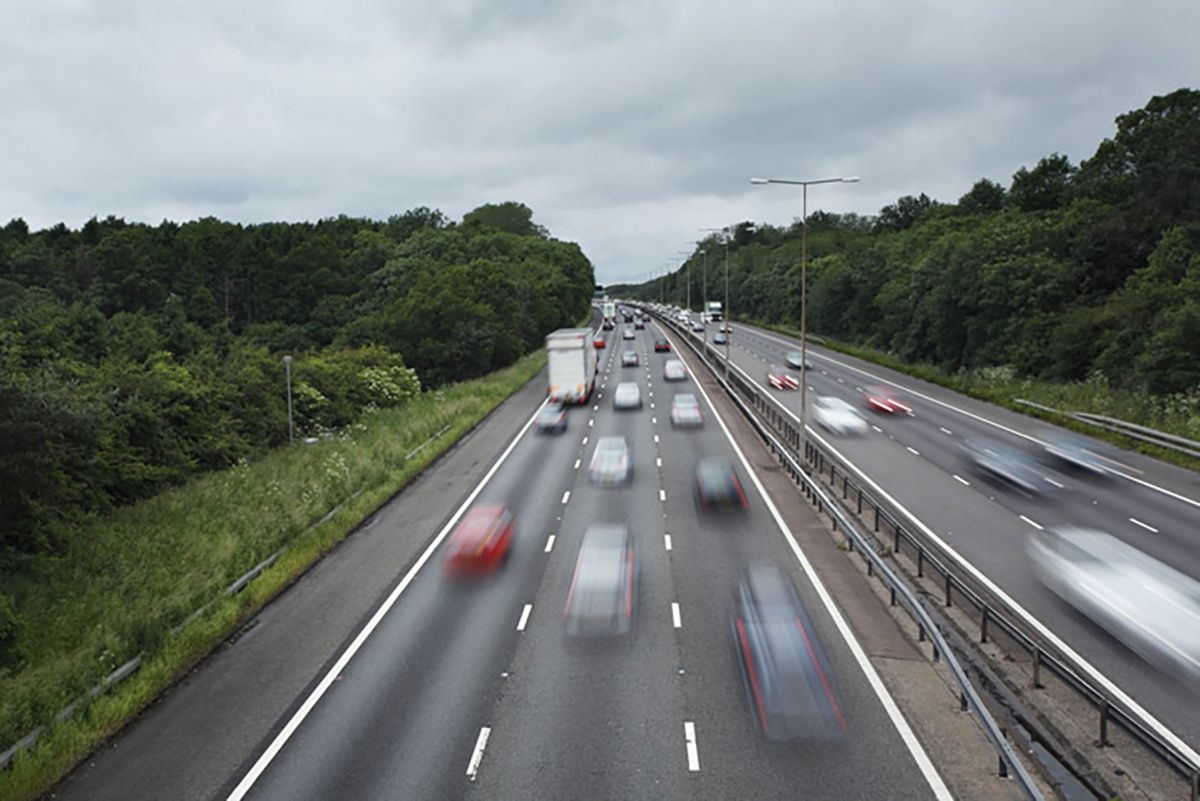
(627,395)
(685,411)
(838,417)
(673,370)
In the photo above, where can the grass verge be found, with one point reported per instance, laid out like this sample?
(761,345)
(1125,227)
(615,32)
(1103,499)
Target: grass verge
(127,581)
(1174,414)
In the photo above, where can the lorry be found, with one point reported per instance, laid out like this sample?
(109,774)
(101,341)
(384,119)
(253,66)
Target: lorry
(712,310)
(610,315)
(571,364)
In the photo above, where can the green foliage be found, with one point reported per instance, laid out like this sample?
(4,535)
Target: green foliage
(11,654)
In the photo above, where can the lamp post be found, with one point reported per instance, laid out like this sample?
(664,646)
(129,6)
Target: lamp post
(287,367)
(804,277)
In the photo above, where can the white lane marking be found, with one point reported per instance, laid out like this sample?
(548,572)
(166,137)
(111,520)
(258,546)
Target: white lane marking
(675,619)
(961,480)
(566,497)
(577,463)
(913,450)
(1052,481)
(658,461)
(591,422)
(596,408)
(878,430)
(667,541)
(550,543)
(1033,523)
(926,766)
(1149,528)
(524,617)
(840,381)
(945,430)
(653,421)
(656,437)
(662,495)
(584,441)
(693,753)
(651,404)
(272,750)
(477,754)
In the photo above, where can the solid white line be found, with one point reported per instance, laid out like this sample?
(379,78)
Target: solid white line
(577,463)
(693,753)
(1033,523)
(1052,481)
(662,495)
(913,450)
(1137,522)
(524,617)
(477,754)
(675,621)
(339,666)
(667,541)
(961,480)
(945,431)
(566,496)
(550,543)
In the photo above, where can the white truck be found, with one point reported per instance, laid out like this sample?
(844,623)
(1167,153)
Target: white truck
(610,315)
(572,365)
(713,311)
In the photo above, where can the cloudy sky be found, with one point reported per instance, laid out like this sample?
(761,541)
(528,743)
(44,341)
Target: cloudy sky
(625,125)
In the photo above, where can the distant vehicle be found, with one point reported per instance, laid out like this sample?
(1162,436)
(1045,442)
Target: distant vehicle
(789,685)
(661,346)
(673,370)
(725,328)
(779,378)
(602,600)
(639,324)
(720,339)
(1079,453)
(884,400)
(627,316)
(713,310)
(551,418)
(685,411)
(610,315)
(1004,463)
(795,360)
(838,417)
(627,395)
(697,326)
(629,358)
(571,366)
(627,334)
(482,540)
(611,462)
(1151,607)
(718,487)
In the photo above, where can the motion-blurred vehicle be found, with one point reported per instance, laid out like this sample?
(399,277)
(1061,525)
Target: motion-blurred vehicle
(697,326)
(1079,453)
(629,358)
(599,343)
(685,411)
(882,399)
(627,333)
(571,367)
(627,315)
(780,378)
(602,600)
(718,487)
(1151,607)
(640,324)
(673,370)
(551,419)
(720,339)
(611,463)
(662,346)
(789,685)
(795,360)
(627,395)
(838,417)
(1004,463)
(482,540)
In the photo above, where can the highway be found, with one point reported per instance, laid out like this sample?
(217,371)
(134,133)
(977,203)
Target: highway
(918,461)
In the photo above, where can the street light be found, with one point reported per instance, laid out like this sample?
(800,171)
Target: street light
(804,277)
(287,366)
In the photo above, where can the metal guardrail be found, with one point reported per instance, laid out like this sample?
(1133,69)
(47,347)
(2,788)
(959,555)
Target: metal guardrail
(1150,436)
(991,614)
(899,589)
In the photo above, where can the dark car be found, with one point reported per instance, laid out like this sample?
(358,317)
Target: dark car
(795,360)
(1005,464)
(629,358)
(602,599)
(789,685)
(661,346)
(1080,454)
(482,540)
(552,419)
(718,487)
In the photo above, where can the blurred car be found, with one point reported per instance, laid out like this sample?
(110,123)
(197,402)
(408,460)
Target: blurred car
(697,326)
(611,462)
(607,325)
(838,417)
(627,395)
(599,343)
(1005,464)
(1151,607)
(685,412)
(1079,453)
(787,678)
(661,346)
(551,418)
(482,540)
(780,378)
(627,315)
(629,358)
(627,333)
(602,599)
(882,399)
(640,324)
(795,360)
(720,339)
(673,370)
(725,328)
(718,487)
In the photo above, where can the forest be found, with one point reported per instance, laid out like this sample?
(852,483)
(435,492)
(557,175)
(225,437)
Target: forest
(1070,272)
(135,356)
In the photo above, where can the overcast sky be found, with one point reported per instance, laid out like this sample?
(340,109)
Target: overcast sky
(626,126)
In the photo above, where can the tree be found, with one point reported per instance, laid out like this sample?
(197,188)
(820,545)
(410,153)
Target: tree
(512,217)
(1045,187)
(986,195)
(904,213)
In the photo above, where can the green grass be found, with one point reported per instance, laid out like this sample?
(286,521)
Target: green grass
(1177,414)
(126,581)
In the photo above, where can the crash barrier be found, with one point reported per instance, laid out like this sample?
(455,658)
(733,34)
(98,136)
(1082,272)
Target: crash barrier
(785,440)
(1151,436)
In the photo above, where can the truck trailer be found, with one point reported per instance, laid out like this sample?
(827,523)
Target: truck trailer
(572,365)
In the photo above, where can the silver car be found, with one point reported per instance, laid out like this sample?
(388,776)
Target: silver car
(838,417)
(602,600)
(627,395)
(685,412)
(611,462)
(673,370)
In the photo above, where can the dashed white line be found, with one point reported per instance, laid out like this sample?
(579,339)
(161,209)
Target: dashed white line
(591,422)
(961,480)
(596,408)
(477,754)
(693,753)
(524,617)
(1052,481)
(1036,525)
(662,495)
(549,544)
(577,463)
(878,430)
(912,450)
(667,541)
(656,437)
(566,497)
(1149,528)
(658,461)
(584,441)
(653,421)
(651,404)
(945,430)
(675,620)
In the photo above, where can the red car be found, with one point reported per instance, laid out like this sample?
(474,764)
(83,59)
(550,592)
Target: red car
(779,378)
(599,343)
(662,346)
(881,399)
(482,540)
